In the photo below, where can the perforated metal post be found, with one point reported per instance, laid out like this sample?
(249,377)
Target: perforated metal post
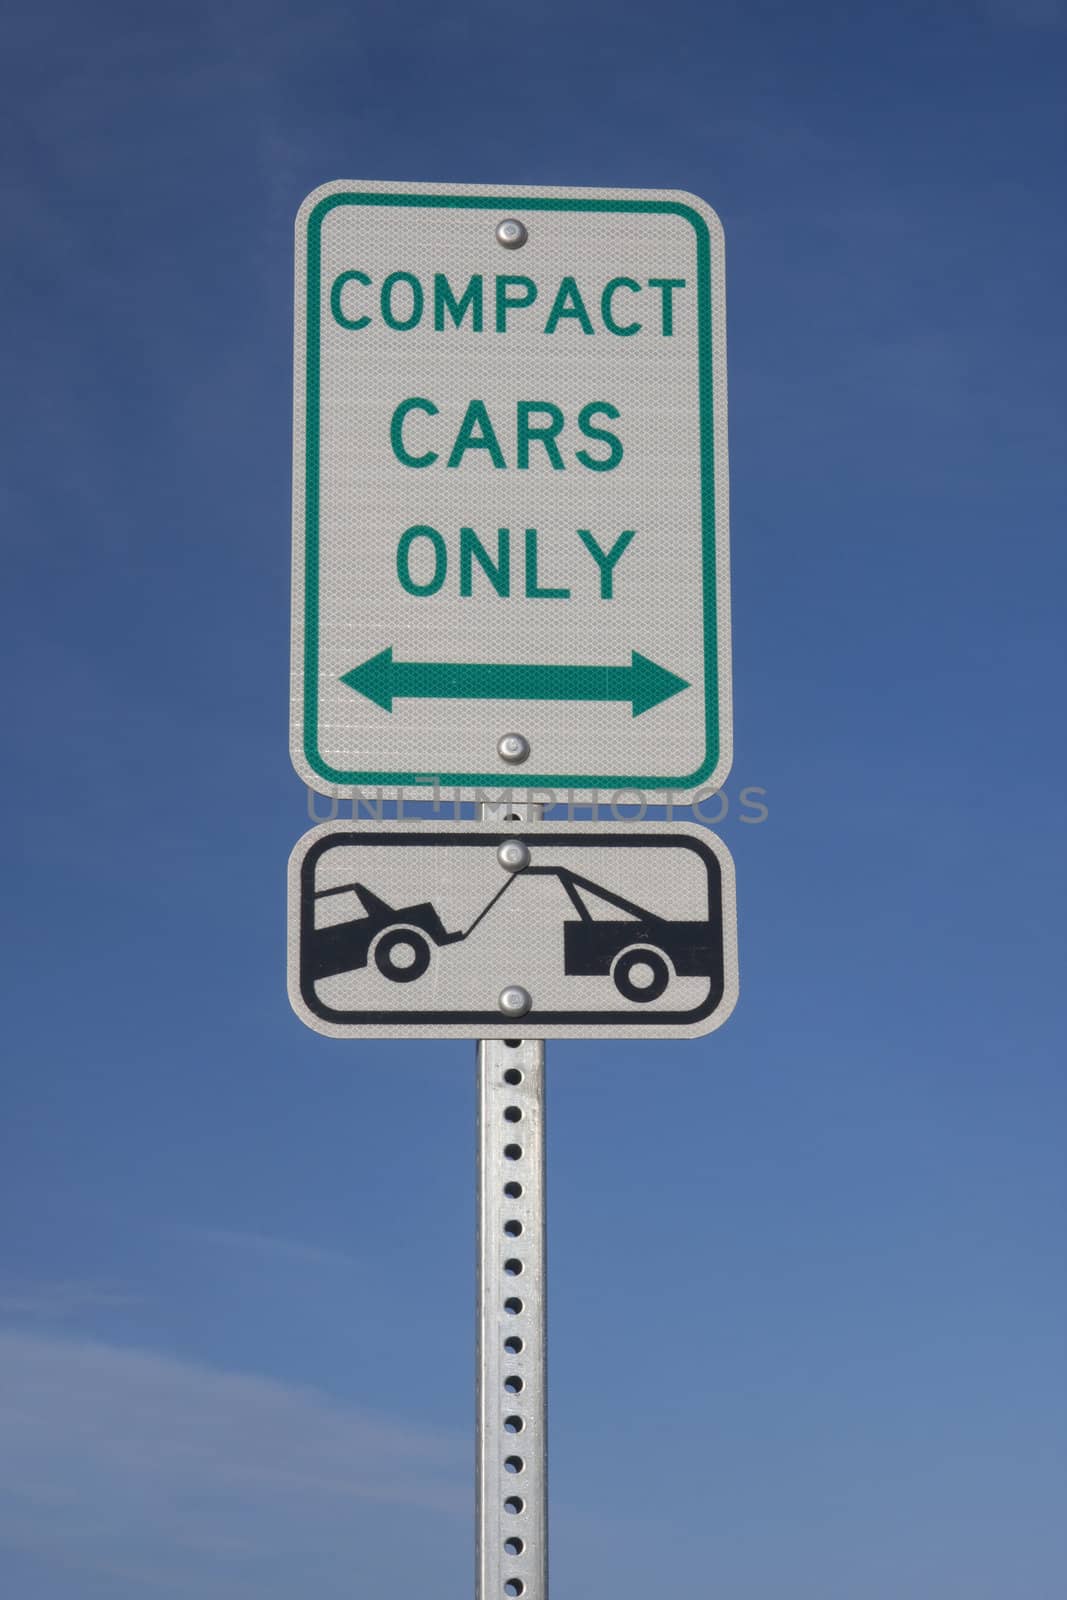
(512,1453)
(512,1477)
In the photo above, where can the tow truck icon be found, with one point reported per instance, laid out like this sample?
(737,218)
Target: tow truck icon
(640,952)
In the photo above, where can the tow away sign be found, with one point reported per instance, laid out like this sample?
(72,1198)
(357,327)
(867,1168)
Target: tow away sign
(544,930)
(510,490)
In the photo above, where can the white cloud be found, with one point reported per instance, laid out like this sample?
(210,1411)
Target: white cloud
(114,1461)
(267,1246)
(57,1302)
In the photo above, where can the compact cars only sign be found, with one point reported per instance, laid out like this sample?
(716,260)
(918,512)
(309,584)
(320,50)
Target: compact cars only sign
(510,490)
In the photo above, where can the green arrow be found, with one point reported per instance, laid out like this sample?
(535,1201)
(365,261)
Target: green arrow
(384,680)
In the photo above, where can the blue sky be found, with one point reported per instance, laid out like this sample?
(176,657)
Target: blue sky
(806,1276)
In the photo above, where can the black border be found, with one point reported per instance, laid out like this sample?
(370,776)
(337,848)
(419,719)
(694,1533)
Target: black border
(613,839)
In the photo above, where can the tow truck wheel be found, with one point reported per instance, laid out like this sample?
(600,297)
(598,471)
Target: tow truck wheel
(402,955)
(641,975)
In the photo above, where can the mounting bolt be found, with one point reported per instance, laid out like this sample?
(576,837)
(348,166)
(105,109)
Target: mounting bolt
(511,234)
(514,1000)
(513,748)
(513,855)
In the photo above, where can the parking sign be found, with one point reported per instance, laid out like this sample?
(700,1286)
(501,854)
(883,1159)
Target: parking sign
(510,490)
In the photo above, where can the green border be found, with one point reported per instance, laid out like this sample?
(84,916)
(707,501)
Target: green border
(311,493)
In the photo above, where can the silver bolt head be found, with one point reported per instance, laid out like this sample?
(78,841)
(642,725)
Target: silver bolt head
(511,233)
(513,855)
(513,748)
(514,1000)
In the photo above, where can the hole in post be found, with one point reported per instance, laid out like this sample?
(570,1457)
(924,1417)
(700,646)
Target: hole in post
(513,1266)
(514,1464)
(514,1504)
(512,1075)
(513,1306)
(513,1190)
(512,1228)
(513,1547)
(513,1114)
(513,1152)
(513,1346)
(513,1424)
(513,1384)
(512,1044)
(514,1586)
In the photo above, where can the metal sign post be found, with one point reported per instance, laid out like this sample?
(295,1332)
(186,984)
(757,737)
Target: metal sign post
(512,1411)
(510,566)
(511,1388)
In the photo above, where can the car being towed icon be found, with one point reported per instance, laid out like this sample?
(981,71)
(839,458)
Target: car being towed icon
(398,940)
(639,951)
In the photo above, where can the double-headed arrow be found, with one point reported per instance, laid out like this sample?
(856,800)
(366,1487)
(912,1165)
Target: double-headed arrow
(384,680)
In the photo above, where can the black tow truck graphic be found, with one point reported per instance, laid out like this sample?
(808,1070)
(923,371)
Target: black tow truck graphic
(640,951)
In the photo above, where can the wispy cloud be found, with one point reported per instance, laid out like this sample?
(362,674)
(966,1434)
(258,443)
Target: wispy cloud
(266,1245)
(112,1459)
(59,1302)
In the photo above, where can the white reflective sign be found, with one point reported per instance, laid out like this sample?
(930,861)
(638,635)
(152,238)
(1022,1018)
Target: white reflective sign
(510,489)
(537,930)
